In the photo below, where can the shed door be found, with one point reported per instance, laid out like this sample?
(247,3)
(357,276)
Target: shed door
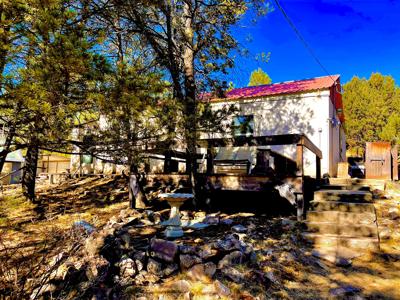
(378,160)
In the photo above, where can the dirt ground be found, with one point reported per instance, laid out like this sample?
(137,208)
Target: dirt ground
(31,234)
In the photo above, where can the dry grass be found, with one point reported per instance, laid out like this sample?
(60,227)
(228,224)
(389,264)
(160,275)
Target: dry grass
(32,234)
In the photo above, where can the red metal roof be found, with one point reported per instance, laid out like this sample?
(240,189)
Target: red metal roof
(288,87)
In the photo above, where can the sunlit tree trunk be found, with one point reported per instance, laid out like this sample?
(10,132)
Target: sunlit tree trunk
(29,175)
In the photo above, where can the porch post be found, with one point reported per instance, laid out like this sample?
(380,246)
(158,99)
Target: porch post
(300,173)
(167,162)
(210,159)
(318,163)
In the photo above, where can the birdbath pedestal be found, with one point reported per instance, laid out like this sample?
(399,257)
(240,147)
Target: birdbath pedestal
(174,225)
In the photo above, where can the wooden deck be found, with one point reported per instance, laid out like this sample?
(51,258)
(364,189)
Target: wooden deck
(245,182)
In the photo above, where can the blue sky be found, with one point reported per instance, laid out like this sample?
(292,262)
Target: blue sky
(349,37)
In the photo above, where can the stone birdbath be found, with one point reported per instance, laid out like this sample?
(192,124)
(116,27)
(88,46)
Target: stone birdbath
(174,225)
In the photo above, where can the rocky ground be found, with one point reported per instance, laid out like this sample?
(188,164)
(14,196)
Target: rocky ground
(237,256)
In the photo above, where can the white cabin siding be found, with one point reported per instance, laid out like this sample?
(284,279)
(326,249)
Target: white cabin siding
(306,113)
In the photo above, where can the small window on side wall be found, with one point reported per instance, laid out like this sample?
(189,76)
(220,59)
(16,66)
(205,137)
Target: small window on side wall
(243,125)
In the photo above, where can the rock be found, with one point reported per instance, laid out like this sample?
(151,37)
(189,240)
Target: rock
(221,289)
(334,259)
(144,278)
(210,269)
(154,267)
(211,220)
(385,234)
(270,275)
(185,249)
(347,290)
(46,289)
(202,272)
(239,228)
(233,258)
(180,286)
(199,215)
(287,191)
(83,226)
(286,257)
(97,268)
(140,260)
(186,260)
(93,245)
(163,249)
(228,244)
(343,262)
(169,269)
(207,253)
(126,240)
(393,213)
(226,222)
(127,268)
(288,223)
(233,274)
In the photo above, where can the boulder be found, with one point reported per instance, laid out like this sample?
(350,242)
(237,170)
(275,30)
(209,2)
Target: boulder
(394,213)
(155,267)
(84,227)
(211,220)
(239,228)
(233,274)
(169,269)
(163,249)
(43,291)
(346,290)
(226,222)
(140,260)
(207,252)
(186,249)
(145,278)
(233,258)
(202,272)
(228,244)
(97,268)
(179,286)
(221,289)
(210,269)
(186,261)
(127,267)
(385,233)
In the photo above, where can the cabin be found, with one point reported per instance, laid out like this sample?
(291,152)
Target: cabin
(311,107)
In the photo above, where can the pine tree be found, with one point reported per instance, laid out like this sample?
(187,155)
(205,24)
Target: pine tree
(56,83)
(368,104)
(192,42)
(259,77)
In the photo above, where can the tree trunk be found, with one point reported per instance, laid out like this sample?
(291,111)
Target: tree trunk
(29,175)
(190,97)
(137,197)
(6,148)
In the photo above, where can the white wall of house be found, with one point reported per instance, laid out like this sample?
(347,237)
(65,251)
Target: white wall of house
(310,113)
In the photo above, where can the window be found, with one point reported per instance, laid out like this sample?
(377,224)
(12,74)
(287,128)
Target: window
(243,125)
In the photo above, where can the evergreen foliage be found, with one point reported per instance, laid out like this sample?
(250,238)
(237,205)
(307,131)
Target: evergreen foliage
(371,108)
(259,77)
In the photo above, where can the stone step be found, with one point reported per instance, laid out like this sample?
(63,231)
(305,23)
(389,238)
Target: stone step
(345,187)
(343,196)
(348,230)
(340,217)
(372,183)
(342,206)
(321,241)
